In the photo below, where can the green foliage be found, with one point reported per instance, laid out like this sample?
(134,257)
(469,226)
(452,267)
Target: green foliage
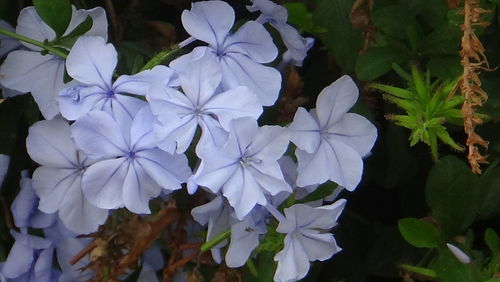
(302,19)
(419,233)
(378,61)
(343,41)
(428,106)
(452,195)
(489,192)
(55,13)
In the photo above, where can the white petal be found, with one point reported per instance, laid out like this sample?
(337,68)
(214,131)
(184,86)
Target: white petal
(98,135)
(209,21)
(238,69)
(31,25)
(252,40)
(459,254)
(169,171)
(304,131)
(99,21)
(244,239)
(269,143)
(92,61)
(139,83)
(49,143)
(52,186)
(335,100)
(102,183)
(355,131)
(233,104)
(293,263)
(138,189)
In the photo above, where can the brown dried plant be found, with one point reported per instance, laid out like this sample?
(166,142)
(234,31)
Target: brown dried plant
(360,19)
(473,61)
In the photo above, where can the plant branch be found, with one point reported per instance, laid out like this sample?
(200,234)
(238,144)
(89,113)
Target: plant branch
(45,46)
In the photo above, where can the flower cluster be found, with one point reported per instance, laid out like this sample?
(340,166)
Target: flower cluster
(113,142)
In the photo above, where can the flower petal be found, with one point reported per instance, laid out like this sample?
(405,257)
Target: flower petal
(139,83)
(232,104)
(270,143)
(138,189)
(49,143)
(31,25)
(244,239)
(98,135)
(293,263)
(335,100)
(77,214)
(28,71)
(335,161)
(355,131)
(318,246)
(102,183)
(304,131)
(92,61)
(238,69)
(243,192)
(209,21)
(99,21)
(254,41)
(169,171)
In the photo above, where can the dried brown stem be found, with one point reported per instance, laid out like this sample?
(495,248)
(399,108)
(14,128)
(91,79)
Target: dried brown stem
(473,61)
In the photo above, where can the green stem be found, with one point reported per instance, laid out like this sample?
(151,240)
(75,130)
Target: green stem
(161,57)
(215,241)
(45,46)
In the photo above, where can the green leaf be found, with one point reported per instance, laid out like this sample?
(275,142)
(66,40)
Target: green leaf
(452,195)
(450,269)
(300,17)
(489,188)
(445,67)
(343,41)
(491,239)
(55,13)
(320,193)
(82,28)
(377,61)
(420,270)
(444,40)
(393,20)
(419,233)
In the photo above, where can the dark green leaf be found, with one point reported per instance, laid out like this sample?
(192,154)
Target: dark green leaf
(393,20)
(55,13)
(491,239)
(450,269)
(300,17)
(452,195)
(377,61)
(82,28)
(420,270)
(321,192)
(341,38)
(489,187)
(445,67)
(444,40)
(419,233)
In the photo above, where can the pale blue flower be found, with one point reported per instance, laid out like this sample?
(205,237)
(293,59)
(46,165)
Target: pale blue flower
(91,63)
(42,75)
(201,104)
(240,55)
(25,207)
(30,259)
(216,215)
(276,15)
(304,241)
(58,180)
(331,142)
(66,249)
(7,43)
(131,169)
(246,167)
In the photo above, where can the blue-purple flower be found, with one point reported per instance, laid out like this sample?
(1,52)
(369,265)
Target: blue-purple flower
(131,169)
(331,142)
(58,181)
(307,238)
(246,167)
(43,75)
(201,104)
(91,63)
(240,54)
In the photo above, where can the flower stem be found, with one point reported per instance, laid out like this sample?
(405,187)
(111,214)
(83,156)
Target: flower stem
(161,57)
(56,51)
(215,241)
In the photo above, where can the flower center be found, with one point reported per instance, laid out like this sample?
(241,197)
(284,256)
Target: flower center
(131,155)
(110,94)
